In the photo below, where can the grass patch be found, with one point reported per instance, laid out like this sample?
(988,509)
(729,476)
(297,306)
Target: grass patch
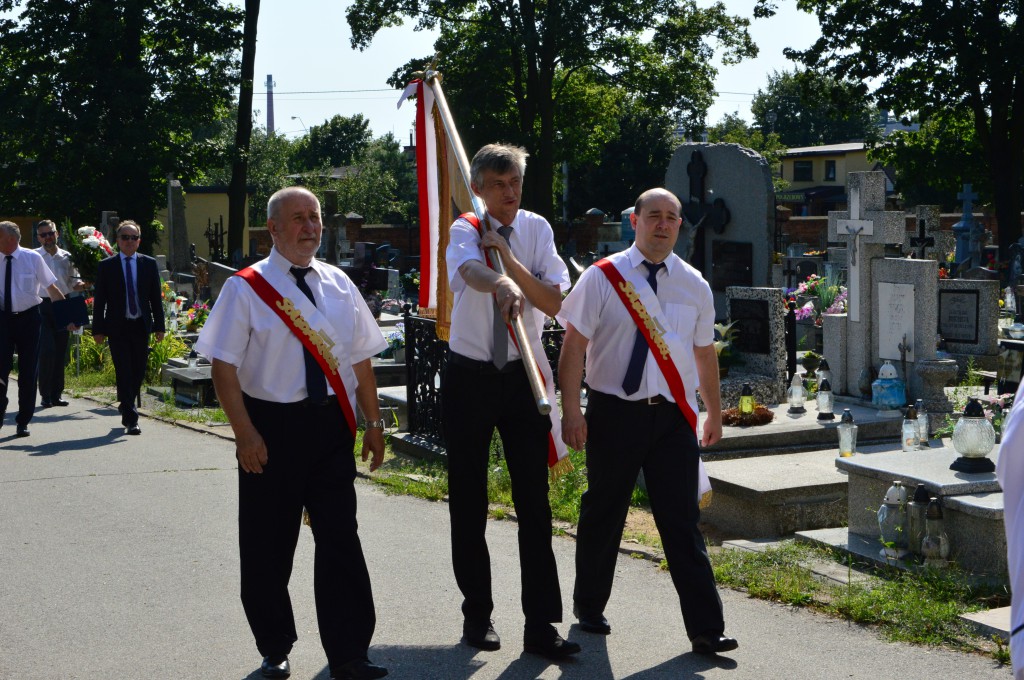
(918,607)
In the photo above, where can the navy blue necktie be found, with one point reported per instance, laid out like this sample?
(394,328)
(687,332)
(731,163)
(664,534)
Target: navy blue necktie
(129,282)
(500,329)
(316,381)
(635,371)
(8,304)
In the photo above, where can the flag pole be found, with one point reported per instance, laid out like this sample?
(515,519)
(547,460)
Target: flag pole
(432,78)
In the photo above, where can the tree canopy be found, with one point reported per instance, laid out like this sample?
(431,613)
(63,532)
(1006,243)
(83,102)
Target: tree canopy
(963,56)
(806,108)
(509,67)
(335,143)
(734,130)
(101,99)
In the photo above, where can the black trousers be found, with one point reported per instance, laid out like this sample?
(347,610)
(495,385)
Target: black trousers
(53,355)
(310,464)
(129,349)
(624,437)
(476,398)
(20,333)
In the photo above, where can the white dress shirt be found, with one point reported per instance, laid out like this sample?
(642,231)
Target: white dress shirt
(62,267)
(29,276)
(1010,472)
(533,244)
(245,332)
(596,311)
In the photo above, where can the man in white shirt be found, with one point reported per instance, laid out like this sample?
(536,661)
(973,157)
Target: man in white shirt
(1010,471)
(53,341)
(642,413)
(24,274)
(485,386)
(294,431)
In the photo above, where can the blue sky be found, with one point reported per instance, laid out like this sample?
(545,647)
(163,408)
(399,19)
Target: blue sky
(316,72)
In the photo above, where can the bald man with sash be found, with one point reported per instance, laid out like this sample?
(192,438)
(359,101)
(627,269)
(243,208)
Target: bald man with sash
(643,322)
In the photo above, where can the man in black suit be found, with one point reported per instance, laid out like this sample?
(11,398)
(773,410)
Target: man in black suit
(127,309)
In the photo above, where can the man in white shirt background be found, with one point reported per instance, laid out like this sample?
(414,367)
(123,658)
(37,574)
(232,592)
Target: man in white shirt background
(53,341)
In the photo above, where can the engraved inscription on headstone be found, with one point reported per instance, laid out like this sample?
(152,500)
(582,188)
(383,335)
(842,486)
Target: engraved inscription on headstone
(751,321)
(731,264)
(895,320)
(958,315)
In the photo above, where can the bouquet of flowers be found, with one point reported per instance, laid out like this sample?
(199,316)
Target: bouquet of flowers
(195,317)
(396,338)
(87,248)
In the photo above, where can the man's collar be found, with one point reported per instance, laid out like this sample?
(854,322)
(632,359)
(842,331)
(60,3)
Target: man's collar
(636,257)
(495,222)
(279,261)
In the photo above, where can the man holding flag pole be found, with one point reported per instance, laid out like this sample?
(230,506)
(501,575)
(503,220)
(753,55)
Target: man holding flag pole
(486,386)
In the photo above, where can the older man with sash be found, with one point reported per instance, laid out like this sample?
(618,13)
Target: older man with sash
(291,341)
(644,321)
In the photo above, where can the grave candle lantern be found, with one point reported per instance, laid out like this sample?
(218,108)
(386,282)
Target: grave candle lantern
(909,431)
(193,359)
(847,435)
(825,401)
(916,509)
(892,522)
(796,395)
(824,372)
(973,438)
(922,424)
(746,400)
(935,544)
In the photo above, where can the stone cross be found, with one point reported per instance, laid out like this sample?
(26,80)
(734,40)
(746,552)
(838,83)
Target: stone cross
(854,227)
(921,241)
(713,215)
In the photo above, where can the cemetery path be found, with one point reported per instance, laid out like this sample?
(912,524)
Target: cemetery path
(119,560)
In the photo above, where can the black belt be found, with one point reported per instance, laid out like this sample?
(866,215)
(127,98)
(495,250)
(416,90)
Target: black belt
(656,400)
(24,311)
(483,366)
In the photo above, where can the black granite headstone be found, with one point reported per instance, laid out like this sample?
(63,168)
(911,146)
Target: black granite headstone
(958,315)
(732,264)
(751,321)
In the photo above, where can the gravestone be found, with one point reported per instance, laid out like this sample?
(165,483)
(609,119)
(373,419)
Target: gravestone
(218,273)
(179,259)
(760,344)
(729,215)
(926,240)
(904,316)
(968,315)
(865,228)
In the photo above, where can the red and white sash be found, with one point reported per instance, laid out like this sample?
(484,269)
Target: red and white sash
(311,328)
(558,454)
(638,297)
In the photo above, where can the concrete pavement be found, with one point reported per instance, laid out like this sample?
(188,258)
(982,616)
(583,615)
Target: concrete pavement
(118,559)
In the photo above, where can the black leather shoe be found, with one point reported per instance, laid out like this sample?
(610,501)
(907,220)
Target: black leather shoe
(45,404)
(713,643)
(133,429)
(275,667)
(359,669)
(480,634)
(592,623)
(548,643)
(59,402)
(22,430)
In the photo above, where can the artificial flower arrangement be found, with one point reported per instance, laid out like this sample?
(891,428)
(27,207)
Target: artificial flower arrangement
(828,297)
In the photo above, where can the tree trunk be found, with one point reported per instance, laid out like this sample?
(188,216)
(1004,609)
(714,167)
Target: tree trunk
(240,158)
(1006,163)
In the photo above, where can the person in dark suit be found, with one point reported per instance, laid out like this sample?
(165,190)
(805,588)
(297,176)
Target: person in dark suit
(127,309)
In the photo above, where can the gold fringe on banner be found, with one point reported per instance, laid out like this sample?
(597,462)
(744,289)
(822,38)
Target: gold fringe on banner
(560,468)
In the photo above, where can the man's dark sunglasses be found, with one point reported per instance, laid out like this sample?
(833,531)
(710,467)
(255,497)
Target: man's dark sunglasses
(128,237)
(45,234)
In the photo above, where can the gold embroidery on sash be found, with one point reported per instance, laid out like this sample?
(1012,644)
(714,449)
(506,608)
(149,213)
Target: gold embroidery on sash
(320,340)
(652,324)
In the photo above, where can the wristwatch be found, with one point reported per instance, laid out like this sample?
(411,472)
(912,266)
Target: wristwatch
(376,424)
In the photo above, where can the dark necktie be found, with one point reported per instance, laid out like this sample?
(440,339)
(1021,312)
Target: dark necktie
(129,282)
(8,304)
(316,381)
(500,329)
(635,371)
